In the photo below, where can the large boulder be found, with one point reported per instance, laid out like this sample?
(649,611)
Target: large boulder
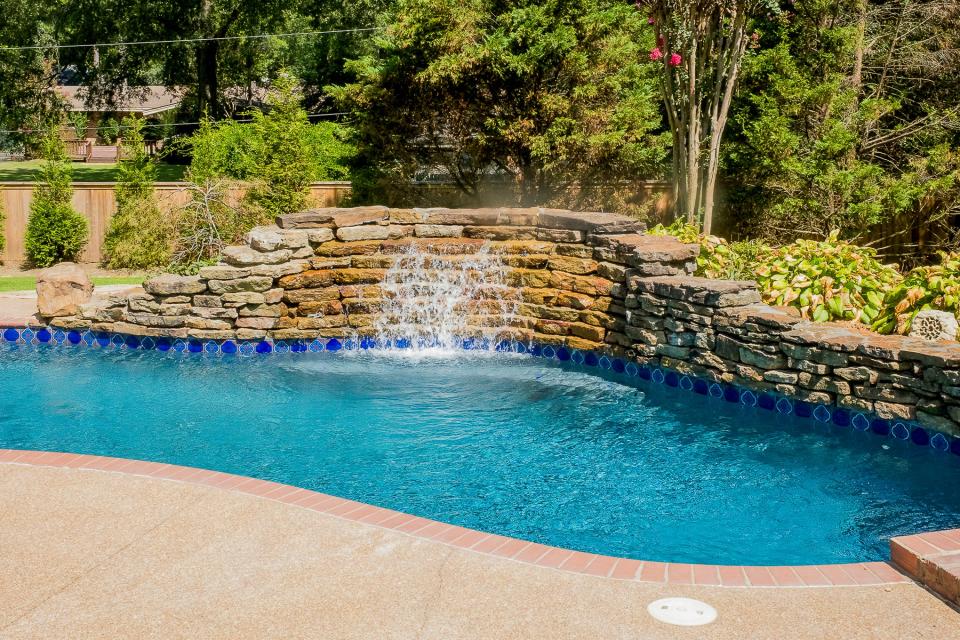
(61,290)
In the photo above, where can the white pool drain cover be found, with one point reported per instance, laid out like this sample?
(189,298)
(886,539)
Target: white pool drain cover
(685,612)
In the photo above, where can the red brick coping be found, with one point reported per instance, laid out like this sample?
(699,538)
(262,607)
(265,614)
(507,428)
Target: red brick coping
(828,575)
(933,559)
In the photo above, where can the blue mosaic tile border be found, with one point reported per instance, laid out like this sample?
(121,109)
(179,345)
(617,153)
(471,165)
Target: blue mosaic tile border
(774,403)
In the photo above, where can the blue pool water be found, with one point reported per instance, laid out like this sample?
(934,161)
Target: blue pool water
(501,443)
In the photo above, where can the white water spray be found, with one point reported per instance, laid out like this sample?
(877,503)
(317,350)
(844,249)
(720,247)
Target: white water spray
(432,301)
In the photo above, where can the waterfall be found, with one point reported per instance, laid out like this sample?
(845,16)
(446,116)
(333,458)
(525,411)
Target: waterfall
(434,301)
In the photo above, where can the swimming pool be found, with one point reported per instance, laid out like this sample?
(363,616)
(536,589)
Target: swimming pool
(533,448)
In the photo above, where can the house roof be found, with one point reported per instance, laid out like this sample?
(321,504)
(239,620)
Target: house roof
(146,100)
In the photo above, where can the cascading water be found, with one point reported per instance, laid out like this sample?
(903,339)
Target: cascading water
(436,301)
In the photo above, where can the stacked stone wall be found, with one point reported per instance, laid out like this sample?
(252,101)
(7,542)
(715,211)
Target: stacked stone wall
(586,281)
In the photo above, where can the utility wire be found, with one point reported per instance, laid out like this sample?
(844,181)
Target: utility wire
(291,34)
(171,124)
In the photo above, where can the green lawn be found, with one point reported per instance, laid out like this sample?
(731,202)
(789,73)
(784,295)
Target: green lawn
(82,172)
(28,283)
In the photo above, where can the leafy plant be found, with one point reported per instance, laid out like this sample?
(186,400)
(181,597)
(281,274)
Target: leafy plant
(827,280)
(55,231)
(139,234)
(718,258)
(933,287)
(109,130)
(78,123)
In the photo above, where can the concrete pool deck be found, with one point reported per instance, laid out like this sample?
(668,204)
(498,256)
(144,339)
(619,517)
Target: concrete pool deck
(143,550)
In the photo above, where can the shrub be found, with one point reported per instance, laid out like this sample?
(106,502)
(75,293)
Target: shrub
(826,280)
(933,287)
(109,130)
(139,235)
(718,258)
(204,226)
(282,151)
(55,232)
(78,124)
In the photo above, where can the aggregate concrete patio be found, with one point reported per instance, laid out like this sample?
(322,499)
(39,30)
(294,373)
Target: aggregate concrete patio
(101,554)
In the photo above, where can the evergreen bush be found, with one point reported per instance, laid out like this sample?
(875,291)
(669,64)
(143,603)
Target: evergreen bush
(139,235)
(55,231)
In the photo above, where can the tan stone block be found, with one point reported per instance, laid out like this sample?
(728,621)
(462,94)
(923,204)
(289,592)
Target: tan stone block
(501,233)
(207,301)
(256,323)
(538,261)
(300,296)
(362,305)
(577,266)
(560,235)
(575,342)
(263,311)
(358,276)
(338,249)
(590,285)
(552,327)
(322,323)
(308,279)
(575,300)
(548,313)
(358,320)
(207,323)
(437,230)
(535,278)
(365,232)
(522,247)
(211,334)
(373,262)
(575,250)
(361,291)
(586,331)
(213,312)
(538,296)
(323,308)
(241,298)
(294,334)
(253,283)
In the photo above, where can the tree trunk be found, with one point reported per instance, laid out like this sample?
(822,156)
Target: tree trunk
(206,59)
(208,88)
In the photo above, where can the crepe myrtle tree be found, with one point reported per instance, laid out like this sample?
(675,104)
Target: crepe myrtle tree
(700,45)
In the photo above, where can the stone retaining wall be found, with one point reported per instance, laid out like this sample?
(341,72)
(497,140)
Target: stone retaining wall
(587,281)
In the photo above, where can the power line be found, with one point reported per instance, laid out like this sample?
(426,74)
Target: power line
(291,34)
(171,124)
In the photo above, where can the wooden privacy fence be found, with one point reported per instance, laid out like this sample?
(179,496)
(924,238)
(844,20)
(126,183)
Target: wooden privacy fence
(96,201)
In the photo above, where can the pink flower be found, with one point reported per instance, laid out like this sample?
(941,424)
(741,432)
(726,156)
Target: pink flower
(675,60)
(656,54)
(650,20)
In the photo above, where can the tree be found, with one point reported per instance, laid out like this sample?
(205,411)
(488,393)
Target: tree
(55,231)
(207,63)
(26,75)
(546,94)
(848,117)
(700,46)
(283,169)
(139,235)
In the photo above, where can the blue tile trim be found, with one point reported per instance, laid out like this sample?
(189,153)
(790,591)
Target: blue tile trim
(48,337)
